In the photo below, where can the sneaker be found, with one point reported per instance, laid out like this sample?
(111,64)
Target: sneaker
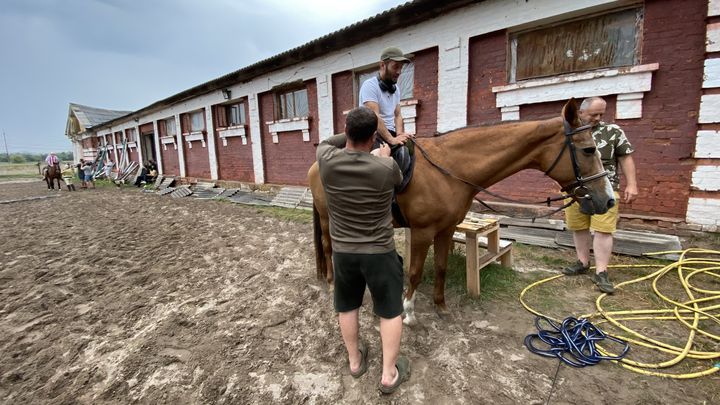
(603,282)
(576,269)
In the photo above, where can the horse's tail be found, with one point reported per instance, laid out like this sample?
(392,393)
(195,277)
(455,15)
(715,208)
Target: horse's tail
(320,263)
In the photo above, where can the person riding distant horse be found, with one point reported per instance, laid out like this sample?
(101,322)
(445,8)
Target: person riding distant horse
(52,171)
(52,160)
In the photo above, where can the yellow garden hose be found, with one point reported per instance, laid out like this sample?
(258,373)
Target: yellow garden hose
(702,304)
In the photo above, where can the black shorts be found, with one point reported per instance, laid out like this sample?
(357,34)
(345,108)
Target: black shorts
(381,272)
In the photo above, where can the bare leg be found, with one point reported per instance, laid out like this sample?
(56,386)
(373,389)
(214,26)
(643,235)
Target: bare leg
(583,240)
(390,333)
(349,328)
(602,247)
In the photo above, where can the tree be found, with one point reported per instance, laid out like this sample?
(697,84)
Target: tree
(17,159)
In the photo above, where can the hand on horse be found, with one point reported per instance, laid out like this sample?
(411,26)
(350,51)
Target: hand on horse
(401,138)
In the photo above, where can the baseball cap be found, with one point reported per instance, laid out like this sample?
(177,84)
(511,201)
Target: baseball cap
(394,53)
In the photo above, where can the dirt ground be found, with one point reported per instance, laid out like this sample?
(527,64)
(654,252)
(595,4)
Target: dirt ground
(117,296)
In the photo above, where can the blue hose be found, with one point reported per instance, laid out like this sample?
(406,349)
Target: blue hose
(573,342)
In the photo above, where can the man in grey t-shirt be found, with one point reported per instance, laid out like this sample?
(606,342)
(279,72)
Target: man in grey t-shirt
(358,186)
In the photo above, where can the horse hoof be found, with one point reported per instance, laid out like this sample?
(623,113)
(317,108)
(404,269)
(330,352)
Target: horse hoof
(443,312)
(410,320)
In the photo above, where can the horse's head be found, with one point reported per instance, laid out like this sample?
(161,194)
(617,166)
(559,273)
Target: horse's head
(576,164)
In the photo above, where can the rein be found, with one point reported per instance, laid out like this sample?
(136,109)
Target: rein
(578,187)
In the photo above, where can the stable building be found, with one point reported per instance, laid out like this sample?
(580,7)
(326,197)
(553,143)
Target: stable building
(474,62)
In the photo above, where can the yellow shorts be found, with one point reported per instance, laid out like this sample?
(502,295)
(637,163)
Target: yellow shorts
(577,221)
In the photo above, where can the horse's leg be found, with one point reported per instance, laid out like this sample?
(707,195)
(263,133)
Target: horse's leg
(327,248)
(420,240)
(443,243)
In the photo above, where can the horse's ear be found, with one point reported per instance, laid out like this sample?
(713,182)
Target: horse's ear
(570,112)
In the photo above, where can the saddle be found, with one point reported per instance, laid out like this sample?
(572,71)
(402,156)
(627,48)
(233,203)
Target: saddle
(406,161)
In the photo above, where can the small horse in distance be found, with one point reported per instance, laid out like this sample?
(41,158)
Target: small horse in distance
(475,158)
(52,173)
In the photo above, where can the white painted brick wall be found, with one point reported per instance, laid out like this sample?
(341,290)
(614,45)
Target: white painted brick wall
(704,212)
(706,178)
(707,145)
(711,76)
(709,108)
(713,8)
(712,39)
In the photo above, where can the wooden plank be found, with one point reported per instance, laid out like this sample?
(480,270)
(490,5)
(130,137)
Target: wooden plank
(631,243)
(530,236)
(471,264)
(555,224)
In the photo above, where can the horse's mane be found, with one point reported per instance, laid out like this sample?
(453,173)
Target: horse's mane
(491,124)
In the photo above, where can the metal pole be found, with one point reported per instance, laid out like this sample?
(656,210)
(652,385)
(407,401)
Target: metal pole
(7,153)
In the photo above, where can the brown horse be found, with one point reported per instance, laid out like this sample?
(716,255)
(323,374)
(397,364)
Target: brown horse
(52,173)
(435,202)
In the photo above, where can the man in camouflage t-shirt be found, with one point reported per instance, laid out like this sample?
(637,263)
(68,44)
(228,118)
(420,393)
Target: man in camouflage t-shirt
(615,150)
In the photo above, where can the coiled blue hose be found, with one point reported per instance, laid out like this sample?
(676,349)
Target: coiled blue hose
(573,342)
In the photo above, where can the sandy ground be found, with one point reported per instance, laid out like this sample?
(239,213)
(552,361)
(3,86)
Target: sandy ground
(115,296)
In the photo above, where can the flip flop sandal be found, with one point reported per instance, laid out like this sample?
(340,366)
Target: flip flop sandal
(363,349)
(403,367)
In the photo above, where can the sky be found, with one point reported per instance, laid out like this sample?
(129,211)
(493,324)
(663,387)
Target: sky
(127,54)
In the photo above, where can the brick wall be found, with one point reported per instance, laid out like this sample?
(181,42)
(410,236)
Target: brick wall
(288,161)
(487,68)
(425,89)
(170,162)
(235,161)
(133,155)
(197,161)
(342,98)
(664,137)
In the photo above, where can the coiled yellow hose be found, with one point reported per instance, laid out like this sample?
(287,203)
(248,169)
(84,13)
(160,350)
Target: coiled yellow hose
(689,312)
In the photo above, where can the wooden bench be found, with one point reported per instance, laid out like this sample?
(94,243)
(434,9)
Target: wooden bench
(476,233)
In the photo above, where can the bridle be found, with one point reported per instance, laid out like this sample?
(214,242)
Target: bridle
(579,190)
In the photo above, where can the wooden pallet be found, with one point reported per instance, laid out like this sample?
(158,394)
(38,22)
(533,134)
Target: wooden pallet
(180,192)
(293,197)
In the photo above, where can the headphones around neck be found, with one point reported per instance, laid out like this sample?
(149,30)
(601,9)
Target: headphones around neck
(386,87)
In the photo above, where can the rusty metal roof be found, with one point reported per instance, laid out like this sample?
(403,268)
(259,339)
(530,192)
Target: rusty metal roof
(404,15)
(90,116)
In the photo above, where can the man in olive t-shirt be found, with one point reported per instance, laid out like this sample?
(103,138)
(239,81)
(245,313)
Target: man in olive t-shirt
(359,186)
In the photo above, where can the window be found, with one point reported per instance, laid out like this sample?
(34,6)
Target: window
(130,135)
(197,121)
(292,104)
(404,85)
(169,125)
(166,127)
(235,114)
(609,40)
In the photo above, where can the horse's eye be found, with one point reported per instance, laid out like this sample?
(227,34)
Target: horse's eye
(590,150)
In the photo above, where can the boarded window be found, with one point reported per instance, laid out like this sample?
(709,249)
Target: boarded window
(291,104)
(404,85)
(609,40)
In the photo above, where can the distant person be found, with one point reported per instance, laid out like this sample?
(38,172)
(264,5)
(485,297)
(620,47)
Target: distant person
(53,160)
(80,174)
(88,175)
(67,175)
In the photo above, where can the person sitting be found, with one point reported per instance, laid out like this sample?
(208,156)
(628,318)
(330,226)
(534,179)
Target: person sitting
(147,174)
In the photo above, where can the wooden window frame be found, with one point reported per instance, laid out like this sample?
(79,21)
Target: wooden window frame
(279,97)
